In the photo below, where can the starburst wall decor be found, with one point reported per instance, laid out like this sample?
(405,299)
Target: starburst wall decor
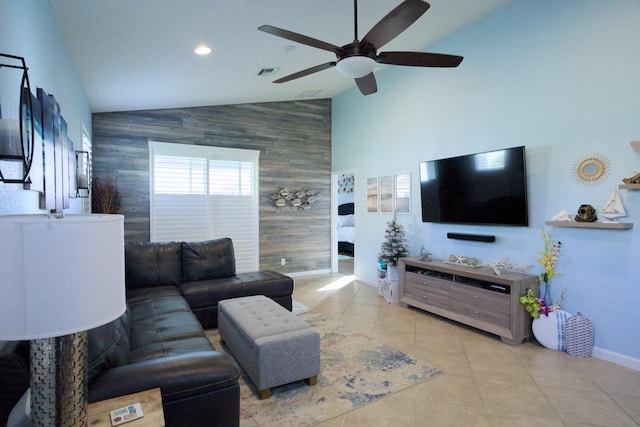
(590,168)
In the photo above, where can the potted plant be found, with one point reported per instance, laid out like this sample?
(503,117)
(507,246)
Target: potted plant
(105,197)
(394,246)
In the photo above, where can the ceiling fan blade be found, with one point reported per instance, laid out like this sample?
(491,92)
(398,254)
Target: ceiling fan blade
(299,38)
(306,72)
(396,21)
(367,84)
(419,59)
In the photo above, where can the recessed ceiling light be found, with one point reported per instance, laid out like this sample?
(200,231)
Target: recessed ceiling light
(202,50)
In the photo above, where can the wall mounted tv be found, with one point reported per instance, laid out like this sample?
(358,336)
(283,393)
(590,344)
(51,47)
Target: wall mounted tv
(488,188)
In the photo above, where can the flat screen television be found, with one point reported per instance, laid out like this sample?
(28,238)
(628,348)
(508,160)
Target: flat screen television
(488,188)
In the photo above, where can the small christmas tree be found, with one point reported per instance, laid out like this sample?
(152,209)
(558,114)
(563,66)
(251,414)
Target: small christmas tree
(395,245)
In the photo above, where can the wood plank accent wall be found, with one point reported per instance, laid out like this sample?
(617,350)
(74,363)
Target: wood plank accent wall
(294,139)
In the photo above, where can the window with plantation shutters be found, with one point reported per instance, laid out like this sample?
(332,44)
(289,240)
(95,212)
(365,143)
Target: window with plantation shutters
(201,192)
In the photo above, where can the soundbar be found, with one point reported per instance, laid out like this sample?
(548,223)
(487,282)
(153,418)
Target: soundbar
(472,237)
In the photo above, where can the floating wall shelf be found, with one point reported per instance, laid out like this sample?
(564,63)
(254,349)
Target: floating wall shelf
(629,186)
(602,225)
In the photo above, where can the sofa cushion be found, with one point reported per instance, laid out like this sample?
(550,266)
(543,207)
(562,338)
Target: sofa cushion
(165,293)
(171,348)
(153,264)
(207,293)
(160,315)
(212,259)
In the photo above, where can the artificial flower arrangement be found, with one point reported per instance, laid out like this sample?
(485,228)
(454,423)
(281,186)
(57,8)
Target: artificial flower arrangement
(105,197)
(548,258)
(536,306)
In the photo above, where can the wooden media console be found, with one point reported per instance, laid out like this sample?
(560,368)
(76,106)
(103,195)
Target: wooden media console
(477,297)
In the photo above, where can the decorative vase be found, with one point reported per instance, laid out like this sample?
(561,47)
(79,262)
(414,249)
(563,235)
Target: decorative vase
(550,330)
(547,293)
(579,334)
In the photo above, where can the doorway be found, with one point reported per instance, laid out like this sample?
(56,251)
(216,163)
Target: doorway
(343,222)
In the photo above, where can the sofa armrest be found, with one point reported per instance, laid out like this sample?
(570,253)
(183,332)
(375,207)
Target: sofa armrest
(178,377)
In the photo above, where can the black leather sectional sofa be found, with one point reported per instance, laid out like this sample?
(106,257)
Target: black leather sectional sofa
(173,290)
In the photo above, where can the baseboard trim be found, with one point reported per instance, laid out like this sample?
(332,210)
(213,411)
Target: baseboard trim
(617,358)
(308,273)
(373,285)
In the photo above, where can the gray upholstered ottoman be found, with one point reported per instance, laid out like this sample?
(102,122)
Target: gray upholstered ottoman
(273,346)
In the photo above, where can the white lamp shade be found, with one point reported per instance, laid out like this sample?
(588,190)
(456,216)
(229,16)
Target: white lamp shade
(60,276)
(356,66)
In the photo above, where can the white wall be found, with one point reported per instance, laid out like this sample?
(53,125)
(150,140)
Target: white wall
(28,29)
(561,78)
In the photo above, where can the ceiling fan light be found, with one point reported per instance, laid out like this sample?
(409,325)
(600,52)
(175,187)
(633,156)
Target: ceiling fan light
(356,66)
(202,50)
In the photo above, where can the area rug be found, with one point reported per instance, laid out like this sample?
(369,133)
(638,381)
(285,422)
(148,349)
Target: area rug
(355,370)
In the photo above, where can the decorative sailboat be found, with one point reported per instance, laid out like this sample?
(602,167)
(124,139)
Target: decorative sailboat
(613,209)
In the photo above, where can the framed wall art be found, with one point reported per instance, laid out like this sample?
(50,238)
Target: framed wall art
(372,195)
(386,194)
(403,194)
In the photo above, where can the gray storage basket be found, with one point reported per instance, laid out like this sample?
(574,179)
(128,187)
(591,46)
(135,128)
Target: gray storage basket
(579,335)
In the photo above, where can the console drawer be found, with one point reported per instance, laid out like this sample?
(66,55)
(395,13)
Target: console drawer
(430,291)
(481,298)
(479,313)
(419,294)
(429,284)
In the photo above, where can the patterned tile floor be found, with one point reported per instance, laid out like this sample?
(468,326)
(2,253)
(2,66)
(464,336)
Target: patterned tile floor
(485,382)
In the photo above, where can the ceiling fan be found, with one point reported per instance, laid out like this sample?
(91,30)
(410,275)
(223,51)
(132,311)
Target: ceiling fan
(358,58)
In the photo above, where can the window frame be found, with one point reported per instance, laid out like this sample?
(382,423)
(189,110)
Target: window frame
(247,262)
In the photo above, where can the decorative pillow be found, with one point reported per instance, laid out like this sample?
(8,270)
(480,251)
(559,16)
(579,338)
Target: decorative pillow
(212,259)
(152,264)
(346,221)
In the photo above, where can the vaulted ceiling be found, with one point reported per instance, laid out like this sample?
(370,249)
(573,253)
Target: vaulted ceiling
(133,55)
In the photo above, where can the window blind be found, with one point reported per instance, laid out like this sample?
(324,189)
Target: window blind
(201,192)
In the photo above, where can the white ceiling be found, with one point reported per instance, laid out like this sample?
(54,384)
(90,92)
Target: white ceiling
(138,54)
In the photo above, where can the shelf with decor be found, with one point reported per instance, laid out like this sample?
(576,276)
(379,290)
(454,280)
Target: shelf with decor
(601,225)
(629,186)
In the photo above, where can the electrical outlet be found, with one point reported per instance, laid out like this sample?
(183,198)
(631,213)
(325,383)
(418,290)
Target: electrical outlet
(283,261)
